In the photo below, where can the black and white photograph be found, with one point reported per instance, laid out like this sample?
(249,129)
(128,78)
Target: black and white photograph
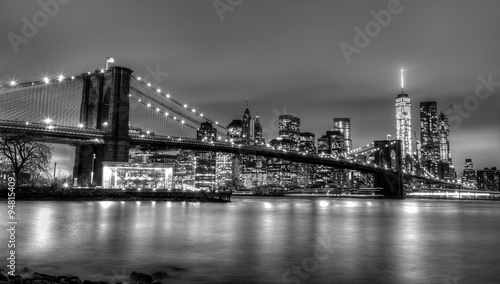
(249,141)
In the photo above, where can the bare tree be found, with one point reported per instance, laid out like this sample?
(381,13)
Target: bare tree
(23,153)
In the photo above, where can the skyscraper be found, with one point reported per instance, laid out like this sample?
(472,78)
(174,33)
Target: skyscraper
(258,134)
(289,127)
(403,120)
(344,126)
(469,175)
(246,125)
(429,136)
(444,141)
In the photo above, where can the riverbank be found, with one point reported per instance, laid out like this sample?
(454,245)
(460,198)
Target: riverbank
(87,194)
(27,277)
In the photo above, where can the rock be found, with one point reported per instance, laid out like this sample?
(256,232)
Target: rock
(159,275)
(15,279)
(140,277)
(49,278)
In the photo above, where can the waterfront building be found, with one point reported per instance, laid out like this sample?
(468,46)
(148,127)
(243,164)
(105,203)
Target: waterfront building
(336,143)
(184,170)
(488,179)
(429,136)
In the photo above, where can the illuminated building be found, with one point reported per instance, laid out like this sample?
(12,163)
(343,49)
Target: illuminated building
(336,143)
(206,132)
(258,134)
(488,179)
(234,130)
(246,125)
(429,136)
(444,142)
(289,127)
(469,175)
(403,120)
(137,175)
(184,170)
(324,145)
(205,170)
(306,143)
(344,126)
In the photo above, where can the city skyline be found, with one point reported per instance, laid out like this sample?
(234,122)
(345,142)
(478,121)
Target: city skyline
(216,64)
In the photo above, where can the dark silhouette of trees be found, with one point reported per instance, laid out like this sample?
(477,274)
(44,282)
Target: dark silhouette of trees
(22,153)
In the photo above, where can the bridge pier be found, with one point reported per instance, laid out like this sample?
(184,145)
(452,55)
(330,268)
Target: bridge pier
(391,184)
(105,106)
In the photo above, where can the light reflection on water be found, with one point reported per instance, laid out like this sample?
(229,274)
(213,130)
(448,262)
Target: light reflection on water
(259,239)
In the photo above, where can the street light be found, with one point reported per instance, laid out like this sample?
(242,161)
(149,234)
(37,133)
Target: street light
(92,172)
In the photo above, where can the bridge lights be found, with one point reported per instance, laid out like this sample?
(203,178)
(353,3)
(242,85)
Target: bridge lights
(168,95)
(157,109)
(80,125)
(182,121)
(216,122)
(47,120)
(158,90)
(46,80)
(166,113)
(60,78)
(201,114)
(139,78)
(185,105)
(105,124)
(72,77)
(12,83)
(193,110)
(148,105)
(149,84)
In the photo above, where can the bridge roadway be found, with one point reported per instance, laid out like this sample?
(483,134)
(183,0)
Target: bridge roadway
(54,133)
(79,135)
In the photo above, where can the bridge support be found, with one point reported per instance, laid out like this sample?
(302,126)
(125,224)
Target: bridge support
(391,184)
(105,106)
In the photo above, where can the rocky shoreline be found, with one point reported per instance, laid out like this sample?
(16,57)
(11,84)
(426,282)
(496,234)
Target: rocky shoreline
(27,277)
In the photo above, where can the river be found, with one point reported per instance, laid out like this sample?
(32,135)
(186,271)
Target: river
(262,240)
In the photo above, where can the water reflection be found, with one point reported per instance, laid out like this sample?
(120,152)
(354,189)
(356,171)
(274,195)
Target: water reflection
(259,239)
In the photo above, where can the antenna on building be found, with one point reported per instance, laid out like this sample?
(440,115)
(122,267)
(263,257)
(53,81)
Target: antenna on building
(402,81)
(247,102)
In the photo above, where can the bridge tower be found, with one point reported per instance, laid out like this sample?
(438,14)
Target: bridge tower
(389,154)
(105,106)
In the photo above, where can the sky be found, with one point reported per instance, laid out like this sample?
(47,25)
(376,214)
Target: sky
(315,59)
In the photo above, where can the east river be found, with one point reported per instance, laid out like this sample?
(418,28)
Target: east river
(262,240)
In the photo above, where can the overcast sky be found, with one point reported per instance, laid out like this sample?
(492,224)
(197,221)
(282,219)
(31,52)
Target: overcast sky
(285,56)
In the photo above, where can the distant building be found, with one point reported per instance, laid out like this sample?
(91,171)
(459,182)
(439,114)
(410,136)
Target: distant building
(469,175)
(336,142)
(429,136)
(488,179)
(206,132)
(344,126)
(246,126)
(403,123)
(234,130)
(258,134)
(324,145)
(289,127)
(184,170)
(444,139)
(307,142)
